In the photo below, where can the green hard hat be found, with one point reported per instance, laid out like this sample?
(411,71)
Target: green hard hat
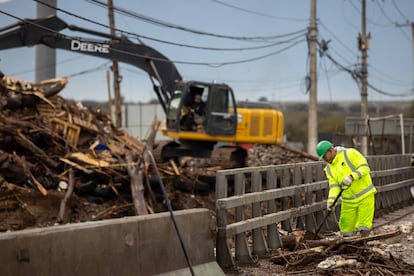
(322,147)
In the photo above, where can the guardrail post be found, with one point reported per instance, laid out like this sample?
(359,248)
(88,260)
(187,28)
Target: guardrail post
(297,198)
(273,238)
(242,250)
(223,252)
(310,221)
(259,242)
(285,201)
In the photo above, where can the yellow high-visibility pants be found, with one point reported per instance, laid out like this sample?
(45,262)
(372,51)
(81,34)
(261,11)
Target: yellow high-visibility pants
(357,216)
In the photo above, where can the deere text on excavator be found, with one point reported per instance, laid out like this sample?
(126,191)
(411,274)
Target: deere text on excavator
(215,132)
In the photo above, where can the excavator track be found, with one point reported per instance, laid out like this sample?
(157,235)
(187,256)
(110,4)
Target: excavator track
(229,157)
(160,149)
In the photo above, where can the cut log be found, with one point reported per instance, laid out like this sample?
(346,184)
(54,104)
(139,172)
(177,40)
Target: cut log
(301,153)
(135,170)
(337,242)
(61,216)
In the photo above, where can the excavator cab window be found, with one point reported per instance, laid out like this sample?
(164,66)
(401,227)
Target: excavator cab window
(222,119)
(194,108)
(174,110)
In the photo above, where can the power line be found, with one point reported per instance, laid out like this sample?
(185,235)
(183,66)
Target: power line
(357,77)
(295,35)
(32,70)
(391,80)
(336,37)
(399,11)
(174,26)
(212,64)
(394,23)
(370,20)
(259,13)
(91,70)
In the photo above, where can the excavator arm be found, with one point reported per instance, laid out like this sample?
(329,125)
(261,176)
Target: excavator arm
(223,122)
(46,31)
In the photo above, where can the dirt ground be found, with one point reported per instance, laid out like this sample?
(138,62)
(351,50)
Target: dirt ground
(24,208)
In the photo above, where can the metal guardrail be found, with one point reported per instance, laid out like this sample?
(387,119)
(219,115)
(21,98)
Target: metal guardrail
(255,203)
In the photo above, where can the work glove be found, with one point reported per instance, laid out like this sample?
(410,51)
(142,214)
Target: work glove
(329,206)
(347,180)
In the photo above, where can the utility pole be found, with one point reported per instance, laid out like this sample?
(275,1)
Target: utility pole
(117,93)
(363,45)
(412,36)
(45,57)
(313,115)
(412,42)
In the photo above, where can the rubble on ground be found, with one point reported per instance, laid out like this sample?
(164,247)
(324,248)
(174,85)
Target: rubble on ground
(63,162)
(388,250)
(265,155)
(52,149)
(357,255)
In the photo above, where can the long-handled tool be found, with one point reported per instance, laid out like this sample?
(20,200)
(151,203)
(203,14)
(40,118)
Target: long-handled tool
(328,213)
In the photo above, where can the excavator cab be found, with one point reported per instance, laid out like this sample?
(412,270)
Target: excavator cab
(201,108)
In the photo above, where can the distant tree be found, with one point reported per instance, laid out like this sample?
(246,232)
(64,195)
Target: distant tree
(263,99)
(409,113)
(153,101)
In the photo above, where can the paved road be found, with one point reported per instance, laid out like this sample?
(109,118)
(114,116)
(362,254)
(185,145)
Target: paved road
(395,217)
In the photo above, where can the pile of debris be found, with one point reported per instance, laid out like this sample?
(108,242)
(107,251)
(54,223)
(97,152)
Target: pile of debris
(353,255)
(264,155)
(388,250)
(63,162)
(59,148)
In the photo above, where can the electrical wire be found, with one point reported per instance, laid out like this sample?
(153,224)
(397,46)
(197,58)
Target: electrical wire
(393,23)
(369,20)
(259,13)
(91,70)
(212,64)
(323,66)
(357,77)
(399,11)
(174,26)
(139,37)
(390,80)
(336,37)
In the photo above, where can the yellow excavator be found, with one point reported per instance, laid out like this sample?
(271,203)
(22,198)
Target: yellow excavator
(218,133)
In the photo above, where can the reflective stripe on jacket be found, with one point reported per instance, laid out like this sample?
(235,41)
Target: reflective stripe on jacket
(349,161)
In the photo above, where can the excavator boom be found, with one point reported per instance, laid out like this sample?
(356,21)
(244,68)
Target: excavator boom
(221,120)
(47,32)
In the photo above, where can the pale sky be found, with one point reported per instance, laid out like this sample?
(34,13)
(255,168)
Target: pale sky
(277,72)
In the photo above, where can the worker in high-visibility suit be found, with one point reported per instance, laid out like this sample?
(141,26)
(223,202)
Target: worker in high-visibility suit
(348,169)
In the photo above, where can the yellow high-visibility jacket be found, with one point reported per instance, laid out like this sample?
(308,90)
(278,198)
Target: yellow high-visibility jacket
(349,161)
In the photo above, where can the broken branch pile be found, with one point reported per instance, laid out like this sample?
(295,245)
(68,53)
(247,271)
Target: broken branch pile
(48,143)
(344,256)
(63,162)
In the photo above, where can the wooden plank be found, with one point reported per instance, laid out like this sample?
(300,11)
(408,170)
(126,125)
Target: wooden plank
(249,224)
(234,201)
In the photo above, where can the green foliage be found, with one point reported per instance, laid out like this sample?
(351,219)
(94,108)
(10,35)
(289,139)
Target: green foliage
(296,125)
(409,112)
(331,122)
(331,116)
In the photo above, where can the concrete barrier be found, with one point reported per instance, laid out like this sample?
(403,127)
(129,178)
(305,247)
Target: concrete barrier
(140,245)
